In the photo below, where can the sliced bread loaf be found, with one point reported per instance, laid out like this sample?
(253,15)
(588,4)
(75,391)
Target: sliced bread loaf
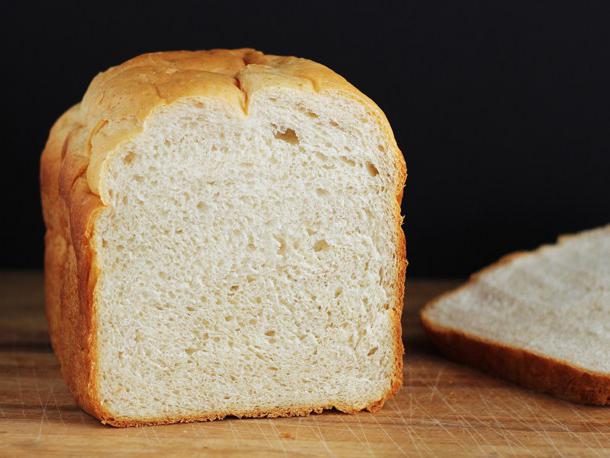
(223,238)
(541,319)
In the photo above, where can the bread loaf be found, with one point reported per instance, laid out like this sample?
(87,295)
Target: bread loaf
(223,238)
(540,319)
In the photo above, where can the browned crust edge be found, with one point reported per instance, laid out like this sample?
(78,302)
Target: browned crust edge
(278,412)
(70,209)
(529,369)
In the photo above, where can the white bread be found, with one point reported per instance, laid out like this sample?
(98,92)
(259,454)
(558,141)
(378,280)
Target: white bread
(223,238)
(541,319)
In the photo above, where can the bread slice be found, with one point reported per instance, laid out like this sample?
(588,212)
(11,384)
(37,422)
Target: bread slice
(224,238)
(540,319)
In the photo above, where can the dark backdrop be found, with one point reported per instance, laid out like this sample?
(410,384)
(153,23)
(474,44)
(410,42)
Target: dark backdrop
(501,108)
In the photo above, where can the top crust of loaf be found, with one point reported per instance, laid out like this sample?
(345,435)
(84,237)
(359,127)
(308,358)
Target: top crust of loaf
(526,367)
(119,100)
(114,110)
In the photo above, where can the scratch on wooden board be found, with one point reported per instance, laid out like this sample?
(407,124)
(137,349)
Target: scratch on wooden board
(149,435)
(505,432)
(396,408)
(382,427)
(579,415)
(507,406)
(349,428)
(362,437)
(199,431)
(366,440)
(469,428)
(433,419)
(234,434)
(434,388)
(43,405)
(81,416)
(155,435)
(411,410)
(59,414)
(267,441)
(277,431)
(296,430)
(541,430)
(323,439)
(18,376)
(571,433)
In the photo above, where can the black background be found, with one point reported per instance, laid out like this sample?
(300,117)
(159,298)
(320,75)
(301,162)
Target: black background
(501,108)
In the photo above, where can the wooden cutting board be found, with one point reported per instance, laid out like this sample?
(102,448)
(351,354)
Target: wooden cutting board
(443,408)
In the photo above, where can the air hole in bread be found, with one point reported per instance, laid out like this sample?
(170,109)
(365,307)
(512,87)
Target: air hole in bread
(282,245)
(251,246)
(372,169)
(311,114)
(322,192)
(129,158)
(321,245)
(288,136)
(348,161)
(334,123)
(372,351)
(270,333)
(322,157)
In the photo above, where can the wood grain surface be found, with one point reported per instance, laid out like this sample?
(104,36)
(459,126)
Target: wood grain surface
(443,408)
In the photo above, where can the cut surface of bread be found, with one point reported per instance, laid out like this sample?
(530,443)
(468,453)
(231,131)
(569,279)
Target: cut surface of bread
(223,238)
(541,319)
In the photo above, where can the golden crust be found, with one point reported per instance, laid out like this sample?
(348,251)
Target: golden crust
(114,110)
(295,411)
(530,369)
